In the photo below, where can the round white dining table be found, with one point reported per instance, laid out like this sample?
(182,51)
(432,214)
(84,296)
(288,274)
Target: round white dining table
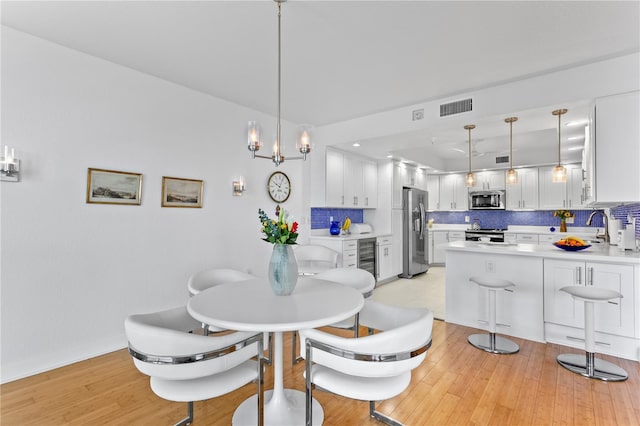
(252,306)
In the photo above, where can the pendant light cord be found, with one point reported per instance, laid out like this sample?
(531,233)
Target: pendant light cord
(278,129)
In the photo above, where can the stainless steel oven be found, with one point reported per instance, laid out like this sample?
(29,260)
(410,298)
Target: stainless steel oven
(492,235)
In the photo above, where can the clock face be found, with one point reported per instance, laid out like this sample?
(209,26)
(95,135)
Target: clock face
(279,187)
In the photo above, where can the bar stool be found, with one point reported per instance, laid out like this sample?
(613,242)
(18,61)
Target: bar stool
(490,342)
(588,365)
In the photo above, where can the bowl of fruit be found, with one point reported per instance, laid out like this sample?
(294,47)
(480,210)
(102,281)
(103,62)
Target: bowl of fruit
(572,244)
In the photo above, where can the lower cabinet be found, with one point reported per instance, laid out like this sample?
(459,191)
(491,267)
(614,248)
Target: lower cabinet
(519,311)
(615,317)
(347,250)
(436,250)
(384,258)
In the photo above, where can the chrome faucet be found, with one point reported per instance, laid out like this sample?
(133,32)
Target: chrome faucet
(605,219)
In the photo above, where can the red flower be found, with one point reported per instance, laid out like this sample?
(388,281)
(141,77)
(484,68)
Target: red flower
(294,226)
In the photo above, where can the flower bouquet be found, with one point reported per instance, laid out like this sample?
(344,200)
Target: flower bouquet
(282,233)
(563,215)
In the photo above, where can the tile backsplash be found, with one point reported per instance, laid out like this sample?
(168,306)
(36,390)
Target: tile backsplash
(503,218)
(320,216)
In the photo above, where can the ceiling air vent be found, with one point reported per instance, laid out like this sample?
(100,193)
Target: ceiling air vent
(456,107)
(504,159)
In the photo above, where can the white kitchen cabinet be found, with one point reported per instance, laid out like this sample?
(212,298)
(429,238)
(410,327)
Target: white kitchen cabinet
(527,238)
(453,192)
(396,231)
(351,181)
(347,250)
(334,179)
(437,252)
(384,258)
(403,175)
(433,189)
(524,194)
(489,180)
(612,150)
(519,311)
(370,184)
(615,317)
(561,195)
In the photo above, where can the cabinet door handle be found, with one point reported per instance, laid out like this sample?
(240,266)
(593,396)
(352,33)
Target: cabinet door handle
(590,276)
(509,290)
(366,201)
(342,200)
(579,275)
(523,201)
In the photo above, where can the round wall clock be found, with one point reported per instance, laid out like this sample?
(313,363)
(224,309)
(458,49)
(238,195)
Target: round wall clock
(279,187)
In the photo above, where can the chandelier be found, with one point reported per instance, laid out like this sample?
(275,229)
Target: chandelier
(254,139)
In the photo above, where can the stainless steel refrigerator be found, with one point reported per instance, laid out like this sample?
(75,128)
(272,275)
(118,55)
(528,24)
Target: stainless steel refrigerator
(414,232)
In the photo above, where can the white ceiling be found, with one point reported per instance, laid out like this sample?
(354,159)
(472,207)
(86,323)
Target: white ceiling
(340,59)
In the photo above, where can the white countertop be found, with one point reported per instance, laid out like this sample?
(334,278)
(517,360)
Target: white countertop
(345,237)
(571,230)
(597,252)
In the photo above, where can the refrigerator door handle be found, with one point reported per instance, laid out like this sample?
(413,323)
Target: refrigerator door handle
(422,217)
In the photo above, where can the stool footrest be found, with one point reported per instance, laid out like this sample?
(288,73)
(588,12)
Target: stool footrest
(493,343)
(588,365)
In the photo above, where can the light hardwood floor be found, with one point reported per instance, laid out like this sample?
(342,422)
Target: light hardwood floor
(456,385)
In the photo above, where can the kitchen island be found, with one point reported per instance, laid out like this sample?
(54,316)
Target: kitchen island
(535,309)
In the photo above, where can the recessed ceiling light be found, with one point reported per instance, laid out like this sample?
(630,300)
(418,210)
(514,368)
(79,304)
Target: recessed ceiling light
(575,138)
(389,156)
(576,123)
(356,144)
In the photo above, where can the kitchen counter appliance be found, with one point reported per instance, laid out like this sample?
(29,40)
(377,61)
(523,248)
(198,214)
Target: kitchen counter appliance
(492,235)
(367,255)
(486,200)
(414,233)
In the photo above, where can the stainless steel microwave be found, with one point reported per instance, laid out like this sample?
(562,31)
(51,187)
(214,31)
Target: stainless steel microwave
(486,200)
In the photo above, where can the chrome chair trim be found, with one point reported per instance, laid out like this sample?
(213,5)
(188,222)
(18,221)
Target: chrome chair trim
(186,359)
(399,356)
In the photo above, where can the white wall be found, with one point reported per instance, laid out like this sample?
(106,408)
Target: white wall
(71,271)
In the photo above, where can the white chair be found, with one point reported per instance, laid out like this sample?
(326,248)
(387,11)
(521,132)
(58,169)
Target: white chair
(313,259)
(208,278)
(370,368)
(187,367)
(588,365)
(490,342)
(358,279)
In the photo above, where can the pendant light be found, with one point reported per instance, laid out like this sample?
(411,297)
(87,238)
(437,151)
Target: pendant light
(512,174)
(254,140)
(559,174)
(470,179)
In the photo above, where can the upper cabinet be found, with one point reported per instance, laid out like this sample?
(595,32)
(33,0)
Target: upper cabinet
(566,195)
(524,194)
(612,151)
(351,181)
(489,180)
(433,189)
(453,192)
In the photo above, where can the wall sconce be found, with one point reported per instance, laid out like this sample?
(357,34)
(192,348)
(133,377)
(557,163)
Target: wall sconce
(238,186)
(9,165)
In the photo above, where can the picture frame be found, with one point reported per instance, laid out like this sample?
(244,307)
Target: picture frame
(179,192)
(113,187)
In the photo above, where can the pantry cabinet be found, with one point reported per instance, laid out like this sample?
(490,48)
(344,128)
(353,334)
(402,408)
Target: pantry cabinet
(615,317)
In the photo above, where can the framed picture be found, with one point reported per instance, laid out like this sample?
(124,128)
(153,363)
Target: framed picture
(113,187)
(177,192)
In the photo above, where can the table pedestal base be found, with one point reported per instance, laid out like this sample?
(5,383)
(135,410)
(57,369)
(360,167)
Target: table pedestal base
(288,410)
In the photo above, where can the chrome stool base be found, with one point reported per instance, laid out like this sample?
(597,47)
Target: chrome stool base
(589,366)
(492,343)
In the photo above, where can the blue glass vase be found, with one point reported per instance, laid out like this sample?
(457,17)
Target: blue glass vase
(334,229)
(283,270)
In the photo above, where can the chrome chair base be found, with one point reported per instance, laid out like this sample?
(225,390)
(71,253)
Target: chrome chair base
(492,343)
(374,414)
(189,419)
(589,366)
